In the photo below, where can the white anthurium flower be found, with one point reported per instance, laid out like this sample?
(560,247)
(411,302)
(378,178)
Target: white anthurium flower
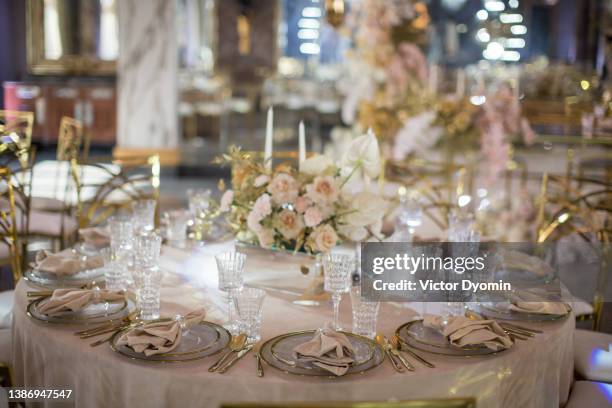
(316,165)
(366,209)
(363,153)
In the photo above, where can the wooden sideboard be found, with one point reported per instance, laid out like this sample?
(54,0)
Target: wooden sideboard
(94,104)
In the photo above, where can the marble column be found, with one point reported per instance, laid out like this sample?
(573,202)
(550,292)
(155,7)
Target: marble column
(147,76)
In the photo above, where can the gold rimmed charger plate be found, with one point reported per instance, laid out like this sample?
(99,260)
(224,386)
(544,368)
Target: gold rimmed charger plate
(270,354)
(219,339)
(490,312)
(441,346)
(127,307)
(50,281)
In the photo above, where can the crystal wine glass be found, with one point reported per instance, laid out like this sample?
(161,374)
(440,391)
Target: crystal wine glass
(411,214)
(338,268)
(230,266)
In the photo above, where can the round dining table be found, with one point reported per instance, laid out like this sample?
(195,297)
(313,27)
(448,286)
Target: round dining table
(533,373)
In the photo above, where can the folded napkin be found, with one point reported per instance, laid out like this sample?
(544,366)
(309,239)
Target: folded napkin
(462,332)
(96,237)
(66,262)
(63,300)
(522,261)
(160,337)
(329,350)
(528,302)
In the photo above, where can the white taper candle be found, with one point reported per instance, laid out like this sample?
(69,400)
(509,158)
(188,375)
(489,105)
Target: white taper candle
(269,139)
(302,143)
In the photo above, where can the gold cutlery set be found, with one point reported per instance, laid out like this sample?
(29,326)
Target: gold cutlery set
(238,348)
(393,351)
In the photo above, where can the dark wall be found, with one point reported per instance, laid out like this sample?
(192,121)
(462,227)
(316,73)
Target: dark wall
(13,66)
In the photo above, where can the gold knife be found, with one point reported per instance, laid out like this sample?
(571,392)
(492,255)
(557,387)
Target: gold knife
(233,361)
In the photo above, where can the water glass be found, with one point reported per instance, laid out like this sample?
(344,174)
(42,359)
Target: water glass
(121,245)
(200,207)
(365,314)
(230,266)
(337,272)
(461,228)
(175,223)
(144,215)
(147,273)
(410,215)
(249,307)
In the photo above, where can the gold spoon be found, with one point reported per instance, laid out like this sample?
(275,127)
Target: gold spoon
(395,341)
(380,339)
(236,344)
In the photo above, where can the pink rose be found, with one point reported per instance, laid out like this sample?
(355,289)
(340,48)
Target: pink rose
(253,222)
(226,200)
(265,236)
(323,238)
(301,204)
(313,217)
(289,223)
(323,190)
(284,188)
(262,207)
(261,180)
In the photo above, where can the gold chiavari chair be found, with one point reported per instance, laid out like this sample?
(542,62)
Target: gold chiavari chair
(127,180)
(72,143)
(18,125)
(439,184)
(567,207)
(433,403)
(9,255)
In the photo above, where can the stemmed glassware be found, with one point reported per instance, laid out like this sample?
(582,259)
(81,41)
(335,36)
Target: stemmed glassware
(464,239)
(121,246)
(230,266)
(200,206)
(175,223)
(410,214)
(147,274)
(249,307)
(144,215)
(338,269)
(365,313)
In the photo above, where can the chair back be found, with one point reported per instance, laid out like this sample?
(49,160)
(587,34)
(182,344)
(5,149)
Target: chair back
(72,142)
(19,125)
(126,181)
(580,209)
(8,221)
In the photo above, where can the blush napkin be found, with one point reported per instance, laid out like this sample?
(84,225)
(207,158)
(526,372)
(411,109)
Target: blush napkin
(461,332)
(329,350)
(66,262)
(529,302)
(97,237)
(63,300)
(159,337)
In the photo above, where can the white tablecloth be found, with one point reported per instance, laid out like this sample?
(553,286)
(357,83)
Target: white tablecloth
(535,373)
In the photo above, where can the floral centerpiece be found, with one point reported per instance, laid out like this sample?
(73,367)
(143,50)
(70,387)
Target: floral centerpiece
(309,209)
(387,79)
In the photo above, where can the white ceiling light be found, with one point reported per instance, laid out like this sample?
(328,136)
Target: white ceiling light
(308,34)
(518,29)
(309,48)
(311,12)
(494,51)
(308,23)
(513,3)
(515,43)
(495,5)
(510,18)
(483,35)
(482,15)
(511,56)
